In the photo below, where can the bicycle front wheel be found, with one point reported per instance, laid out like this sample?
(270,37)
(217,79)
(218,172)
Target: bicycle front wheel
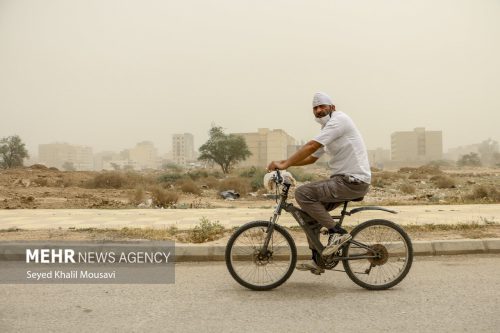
(252,268)
(392,249)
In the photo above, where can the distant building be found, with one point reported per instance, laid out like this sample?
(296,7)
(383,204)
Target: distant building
(103,159)
(379,157)
(143,156)
(417,146)
(57,154)
(183,148)
(267,145)
(454,154)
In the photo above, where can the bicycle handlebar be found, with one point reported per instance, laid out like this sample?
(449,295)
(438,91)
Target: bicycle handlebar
(278,176)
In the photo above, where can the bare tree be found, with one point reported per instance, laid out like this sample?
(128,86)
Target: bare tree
(12,152)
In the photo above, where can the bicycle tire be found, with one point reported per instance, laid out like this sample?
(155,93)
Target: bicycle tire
(408,244)
(260,224)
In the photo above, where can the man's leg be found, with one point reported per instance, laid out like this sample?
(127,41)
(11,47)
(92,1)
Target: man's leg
(311,197)
(316,198)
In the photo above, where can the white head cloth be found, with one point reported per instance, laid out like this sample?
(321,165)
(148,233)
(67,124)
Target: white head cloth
(321,98)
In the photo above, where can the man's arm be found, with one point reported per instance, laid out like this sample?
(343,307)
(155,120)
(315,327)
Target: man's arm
(308,160)
(300,157)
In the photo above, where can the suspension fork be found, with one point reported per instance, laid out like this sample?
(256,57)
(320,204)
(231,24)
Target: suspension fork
(272,221)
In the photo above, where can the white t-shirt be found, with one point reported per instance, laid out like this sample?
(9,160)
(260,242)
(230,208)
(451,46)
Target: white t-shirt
(343,142)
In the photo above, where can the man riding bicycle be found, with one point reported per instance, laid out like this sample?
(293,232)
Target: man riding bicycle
(350,172)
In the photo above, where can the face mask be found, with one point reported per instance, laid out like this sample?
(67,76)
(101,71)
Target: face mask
(323,120)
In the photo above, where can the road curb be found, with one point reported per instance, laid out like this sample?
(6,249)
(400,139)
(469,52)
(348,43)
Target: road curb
(188,252)
(204,252)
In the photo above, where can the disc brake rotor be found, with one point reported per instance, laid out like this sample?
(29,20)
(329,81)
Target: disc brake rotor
(262,259)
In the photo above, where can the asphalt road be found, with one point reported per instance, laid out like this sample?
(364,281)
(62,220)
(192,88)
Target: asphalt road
(440,294)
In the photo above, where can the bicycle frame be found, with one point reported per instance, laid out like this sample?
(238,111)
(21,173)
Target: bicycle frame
(312,227)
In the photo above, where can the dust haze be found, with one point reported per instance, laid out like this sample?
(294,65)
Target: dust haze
(109,74)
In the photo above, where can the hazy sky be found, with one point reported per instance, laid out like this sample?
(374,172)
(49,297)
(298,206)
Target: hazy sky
(111,73)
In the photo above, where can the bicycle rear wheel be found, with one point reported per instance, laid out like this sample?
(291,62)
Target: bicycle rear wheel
(256,270)
(393,248)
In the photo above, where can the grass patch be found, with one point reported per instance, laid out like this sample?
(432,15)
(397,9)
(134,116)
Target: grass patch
(109,179)
(11,229)
(443,181)
(147,233)
(189,186)
(427,170)
(137,196)
(485,194)
(115,180)
(385,178)
(407,188)
(444,227)
(206,231)
(256,176)
(429,227)
(170,177)
(202,173)
(239,184)
(133,233)
(210,182)
(163,198)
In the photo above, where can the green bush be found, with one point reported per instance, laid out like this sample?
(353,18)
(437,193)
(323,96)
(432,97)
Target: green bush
(172,167)
(256,176)
(206,231)
(197,174)
(248,172)
(471,159)
(170,177)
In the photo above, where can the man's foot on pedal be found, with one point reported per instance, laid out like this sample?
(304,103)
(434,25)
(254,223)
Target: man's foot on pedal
(335,241)
(310,266)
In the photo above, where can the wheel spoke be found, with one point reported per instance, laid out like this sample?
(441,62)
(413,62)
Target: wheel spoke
(256,268)
(394,255)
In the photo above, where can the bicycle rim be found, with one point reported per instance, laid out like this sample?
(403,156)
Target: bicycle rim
(394,248)
(264,270)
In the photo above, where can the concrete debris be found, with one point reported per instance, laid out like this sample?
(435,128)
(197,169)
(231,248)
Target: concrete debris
(147,204)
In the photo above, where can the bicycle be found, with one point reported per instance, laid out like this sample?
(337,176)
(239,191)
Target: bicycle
(261,255)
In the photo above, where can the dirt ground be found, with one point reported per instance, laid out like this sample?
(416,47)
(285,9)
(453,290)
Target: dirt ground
(43,188)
